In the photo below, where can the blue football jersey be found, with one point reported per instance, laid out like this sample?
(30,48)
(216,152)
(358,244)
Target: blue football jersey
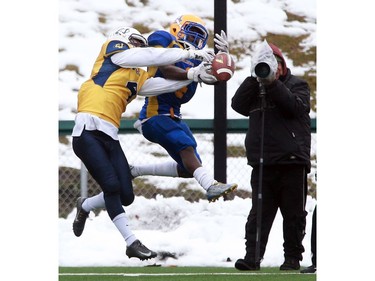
(168,103)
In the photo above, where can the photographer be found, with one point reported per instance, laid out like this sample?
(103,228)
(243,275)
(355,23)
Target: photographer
(273,95)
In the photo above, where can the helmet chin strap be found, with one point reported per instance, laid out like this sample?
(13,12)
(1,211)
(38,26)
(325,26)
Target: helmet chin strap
(186,45)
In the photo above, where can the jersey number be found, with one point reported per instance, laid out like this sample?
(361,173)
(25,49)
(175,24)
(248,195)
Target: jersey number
(133,88)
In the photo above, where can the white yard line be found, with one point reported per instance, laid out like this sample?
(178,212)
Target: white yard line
(175,274)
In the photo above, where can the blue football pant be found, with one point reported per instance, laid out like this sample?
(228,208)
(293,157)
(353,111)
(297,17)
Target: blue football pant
(172,134)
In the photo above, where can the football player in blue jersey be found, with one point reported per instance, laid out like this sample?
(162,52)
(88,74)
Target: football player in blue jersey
(116,79)
(160,118)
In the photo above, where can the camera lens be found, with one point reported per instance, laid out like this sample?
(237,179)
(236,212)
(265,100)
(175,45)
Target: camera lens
(262,70)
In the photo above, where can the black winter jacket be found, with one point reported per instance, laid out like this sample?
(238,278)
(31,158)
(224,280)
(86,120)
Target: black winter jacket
(287,134)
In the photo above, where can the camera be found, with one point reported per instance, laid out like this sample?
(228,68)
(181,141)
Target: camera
(264,63)
(262,70)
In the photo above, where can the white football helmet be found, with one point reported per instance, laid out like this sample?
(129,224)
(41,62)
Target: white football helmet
(128,35)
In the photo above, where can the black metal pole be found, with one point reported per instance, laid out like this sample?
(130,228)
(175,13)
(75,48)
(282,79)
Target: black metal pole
(262,93)
(220,103)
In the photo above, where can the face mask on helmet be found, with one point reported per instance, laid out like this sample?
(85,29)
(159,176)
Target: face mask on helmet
(189,30)
(129,35)
(193,35)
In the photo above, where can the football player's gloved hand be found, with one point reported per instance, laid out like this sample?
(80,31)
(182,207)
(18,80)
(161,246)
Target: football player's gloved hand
(221,42)
(201,73)
(202,55)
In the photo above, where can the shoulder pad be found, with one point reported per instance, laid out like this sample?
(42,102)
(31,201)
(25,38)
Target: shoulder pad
(115,46)
(160,38)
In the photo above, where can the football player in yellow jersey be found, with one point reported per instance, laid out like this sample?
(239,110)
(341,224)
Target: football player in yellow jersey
(160,120)
(116,79)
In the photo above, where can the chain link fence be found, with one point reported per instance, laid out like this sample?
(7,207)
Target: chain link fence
(140,151)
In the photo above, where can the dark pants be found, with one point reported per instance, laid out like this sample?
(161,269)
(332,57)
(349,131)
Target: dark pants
(106,162)
(313,238)
(284,187)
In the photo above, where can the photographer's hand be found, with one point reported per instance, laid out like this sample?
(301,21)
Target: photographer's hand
(268,80)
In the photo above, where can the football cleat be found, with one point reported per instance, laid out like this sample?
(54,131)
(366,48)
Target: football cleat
(140,251)
(219,189)
(80,219)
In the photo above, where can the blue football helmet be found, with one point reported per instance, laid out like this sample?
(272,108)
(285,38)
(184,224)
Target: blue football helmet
(190,31)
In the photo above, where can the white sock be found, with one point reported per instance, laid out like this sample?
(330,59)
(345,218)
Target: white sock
(167,169)
(95,202)
(203,177)
(121,222)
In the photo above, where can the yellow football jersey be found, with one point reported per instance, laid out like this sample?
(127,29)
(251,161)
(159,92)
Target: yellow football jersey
(110,87)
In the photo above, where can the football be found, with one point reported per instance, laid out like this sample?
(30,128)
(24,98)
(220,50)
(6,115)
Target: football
(223,66)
